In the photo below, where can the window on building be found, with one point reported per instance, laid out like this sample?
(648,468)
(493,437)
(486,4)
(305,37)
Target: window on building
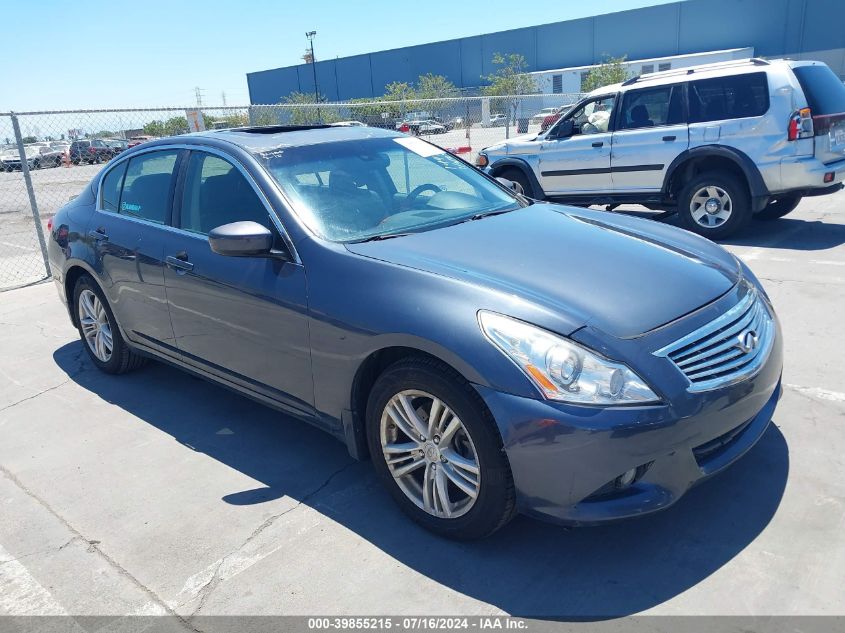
(647,68)
(557,84)
(732,97)
(665,66)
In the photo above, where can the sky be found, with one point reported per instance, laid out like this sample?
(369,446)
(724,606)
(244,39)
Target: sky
(149,53)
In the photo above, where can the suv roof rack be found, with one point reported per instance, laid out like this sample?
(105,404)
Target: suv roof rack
(757,61)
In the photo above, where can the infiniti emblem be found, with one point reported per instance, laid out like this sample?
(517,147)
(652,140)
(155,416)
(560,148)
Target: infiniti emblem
(747,341)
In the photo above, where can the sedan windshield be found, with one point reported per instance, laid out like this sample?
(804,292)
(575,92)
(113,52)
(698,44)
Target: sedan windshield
(377,187)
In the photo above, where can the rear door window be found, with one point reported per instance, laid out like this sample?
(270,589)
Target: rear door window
(147,185)
(824,91)
(732,97)
(111,188)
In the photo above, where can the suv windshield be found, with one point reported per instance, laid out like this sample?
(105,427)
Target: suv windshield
(825,92)
(363,189)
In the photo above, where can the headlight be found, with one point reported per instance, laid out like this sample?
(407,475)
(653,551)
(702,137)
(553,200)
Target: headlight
(562,369)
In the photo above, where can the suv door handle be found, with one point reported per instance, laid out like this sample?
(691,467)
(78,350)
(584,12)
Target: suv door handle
(669,138)
(179,262)
(598,144)
(100,234)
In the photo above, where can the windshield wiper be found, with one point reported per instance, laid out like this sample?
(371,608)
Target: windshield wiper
(487,214)
(382,236)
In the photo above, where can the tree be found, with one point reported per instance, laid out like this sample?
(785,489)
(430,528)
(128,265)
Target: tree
(306,112)
(430,86)
(510,78)
(154,128)
(103,134)
(29,139)
(610,71)
(172,127)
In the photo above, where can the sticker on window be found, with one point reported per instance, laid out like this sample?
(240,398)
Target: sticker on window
(426,150)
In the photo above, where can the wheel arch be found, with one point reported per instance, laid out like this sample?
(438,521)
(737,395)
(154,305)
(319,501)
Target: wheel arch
(373,365)
(696,160)
(497,167)
(74,270)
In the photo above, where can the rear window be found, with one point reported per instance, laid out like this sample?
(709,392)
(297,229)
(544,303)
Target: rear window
(732,97)
(824,91)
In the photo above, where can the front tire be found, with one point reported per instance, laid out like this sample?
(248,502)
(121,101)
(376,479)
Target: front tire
(519,177)
(714,204)
(99,332)
(437,450)
(779,207)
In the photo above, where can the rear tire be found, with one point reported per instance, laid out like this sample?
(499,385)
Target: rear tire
(519,177)
(714,204)
(476,443)
(120,359)
(779,207)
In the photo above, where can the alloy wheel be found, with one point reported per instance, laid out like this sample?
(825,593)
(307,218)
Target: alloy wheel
(711,206)
(96,329)
(430,454)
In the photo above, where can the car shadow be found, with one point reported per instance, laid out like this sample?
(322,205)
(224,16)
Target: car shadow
(529,568)
(783,234)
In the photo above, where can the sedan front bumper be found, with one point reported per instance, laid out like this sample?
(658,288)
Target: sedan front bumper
(564,458)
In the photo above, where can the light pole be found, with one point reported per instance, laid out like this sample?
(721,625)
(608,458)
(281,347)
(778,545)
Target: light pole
(310,35)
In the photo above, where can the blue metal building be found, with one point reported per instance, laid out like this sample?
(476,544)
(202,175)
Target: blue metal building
(810,29)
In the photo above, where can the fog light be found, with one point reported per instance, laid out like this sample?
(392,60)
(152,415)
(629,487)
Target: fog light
(626,479)
(829,176)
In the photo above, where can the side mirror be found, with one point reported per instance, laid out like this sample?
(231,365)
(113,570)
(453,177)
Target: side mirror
(241,239)
(565,129)
(510,184)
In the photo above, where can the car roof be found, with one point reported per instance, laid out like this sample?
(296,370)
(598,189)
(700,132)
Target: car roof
(703,71)
(259,139)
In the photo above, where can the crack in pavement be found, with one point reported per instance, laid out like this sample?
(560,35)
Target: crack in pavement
(212,583)
(79,370)
(93,547)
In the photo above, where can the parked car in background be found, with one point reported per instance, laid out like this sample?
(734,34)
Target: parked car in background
(550,119)
(718,143)
(492,383)
(62,146)
(541,116)
(454,123)
(10,158)
(349,124)
(428,127)
(47,156)
(137,140)
(116,145)
(495,120)
(89,151)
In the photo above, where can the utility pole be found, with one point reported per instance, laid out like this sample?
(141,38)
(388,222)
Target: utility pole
(198,93)
(223,97)
(310,35)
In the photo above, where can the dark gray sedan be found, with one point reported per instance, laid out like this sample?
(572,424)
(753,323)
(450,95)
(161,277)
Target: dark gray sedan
(491,354)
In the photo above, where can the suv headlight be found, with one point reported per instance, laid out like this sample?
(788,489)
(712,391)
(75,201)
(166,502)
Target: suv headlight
(562,369)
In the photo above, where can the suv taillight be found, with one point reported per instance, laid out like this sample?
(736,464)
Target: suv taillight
(800,124)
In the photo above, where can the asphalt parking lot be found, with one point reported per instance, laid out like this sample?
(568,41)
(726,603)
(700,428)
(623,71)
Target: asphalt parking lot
(159,493)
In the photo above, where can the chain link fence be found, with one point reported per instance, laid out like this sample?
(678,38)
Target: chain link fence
(47,158)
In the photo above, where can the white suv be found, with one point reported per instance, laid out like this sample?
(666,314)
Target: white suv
(716,143)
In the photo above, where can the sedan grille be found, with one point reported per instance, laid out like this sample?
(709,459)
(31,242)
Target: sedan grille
(730,348)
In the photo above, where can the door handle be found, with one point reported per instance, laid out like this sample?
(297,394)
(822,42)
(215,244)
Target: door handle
(598,144)
(669,138)
(179,262)
(100,234)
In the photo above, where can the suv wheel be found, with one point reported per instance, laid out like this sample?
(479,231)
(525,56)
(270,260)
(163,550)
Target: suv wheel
(518,176)
(779,207)
(436,448)
(99,332)
(714,204)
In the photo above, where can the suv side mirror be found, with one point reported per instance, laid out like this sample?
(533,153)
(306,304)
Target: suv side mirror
(241,239)
(565,129)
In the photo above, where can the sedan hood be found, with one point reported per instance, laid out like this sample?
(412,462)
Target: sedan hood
(623,275)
